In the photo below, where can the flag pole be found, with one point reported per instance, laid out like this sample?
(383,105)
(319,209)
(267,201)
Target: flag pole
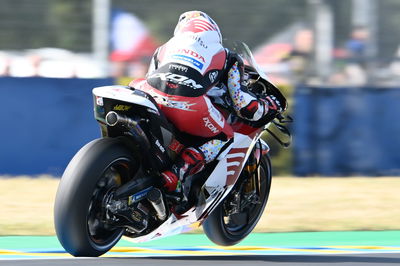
(100,34)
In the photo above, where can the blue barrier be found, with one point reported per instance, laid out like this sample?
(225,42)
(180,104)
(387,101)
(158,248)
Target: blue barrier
(337,131)
(346,131)
(44,122)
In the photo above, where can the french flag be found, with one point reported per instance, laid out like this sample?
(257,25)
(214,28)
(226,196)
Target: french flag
(130,39)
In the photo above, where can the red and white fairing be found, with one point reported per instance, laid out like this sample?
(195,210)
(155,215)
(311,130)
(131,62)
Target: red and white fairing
(231,163)
(218,185)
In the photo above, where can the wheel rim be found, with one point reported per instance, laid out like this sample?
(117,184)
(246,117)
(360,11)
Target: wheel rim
(100,234)
(245,221)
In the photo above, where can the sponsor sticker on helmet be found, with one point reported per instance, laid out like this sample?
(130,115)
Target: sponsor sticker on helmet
(188,59)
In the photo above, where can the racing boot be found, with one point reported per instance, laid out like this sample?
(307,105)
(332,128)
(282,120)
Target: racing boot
(190,162)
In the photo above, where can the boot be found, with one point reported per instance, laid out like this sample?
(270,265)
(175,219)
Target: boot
(190,162)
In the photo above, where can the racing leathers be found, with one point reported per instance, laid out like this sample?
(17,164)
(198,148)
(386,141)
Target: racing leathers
(185,77)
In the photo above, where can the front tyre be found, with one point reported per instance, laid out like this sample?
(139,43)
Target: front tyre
(239,213)
(98,168)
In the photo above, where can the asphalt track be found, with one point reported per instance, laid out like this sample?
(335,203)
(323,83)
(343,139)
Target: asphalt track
(318,248)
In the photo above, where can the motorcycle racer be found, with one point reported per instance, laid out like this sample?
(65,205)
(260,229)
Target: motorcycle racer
(186,76)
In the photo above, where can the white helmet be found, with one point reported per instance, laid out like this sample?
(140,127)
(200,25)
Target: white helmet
(197,22)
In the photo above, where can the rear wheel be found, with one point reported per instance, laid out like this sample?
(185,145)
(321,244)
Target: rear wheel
(239,213)
(96,170)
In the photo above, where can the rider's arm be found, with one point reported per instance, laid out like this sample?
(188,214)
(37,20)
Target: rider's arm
(246,105)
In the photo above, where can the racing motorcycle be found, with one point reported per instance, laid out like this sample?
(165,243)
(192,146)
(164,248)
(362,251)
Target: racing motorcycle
(112,186)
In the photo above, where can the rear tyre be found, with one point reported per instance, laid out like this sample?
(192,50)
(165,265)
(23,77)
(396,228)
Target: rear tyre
(98,168)
(227,228)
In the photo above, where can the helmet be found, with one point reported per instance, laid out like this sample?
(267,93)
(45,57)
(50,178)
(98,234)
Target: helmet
(197,22)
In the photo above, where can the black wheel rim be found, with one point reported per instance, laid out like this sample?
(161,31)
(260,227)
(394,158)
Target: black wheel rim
(101,234)
(245,223)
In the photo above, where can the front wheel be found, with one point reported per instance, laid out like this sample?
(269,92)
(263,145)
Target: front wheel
(98,168)
(239,213)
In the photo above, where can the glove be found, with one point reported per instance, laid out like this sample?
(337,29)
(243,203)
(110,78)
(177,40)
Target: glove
(273,104)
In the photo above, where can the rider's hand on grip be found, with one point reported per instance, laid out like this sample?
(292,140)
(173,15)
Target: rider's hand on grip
(274,104)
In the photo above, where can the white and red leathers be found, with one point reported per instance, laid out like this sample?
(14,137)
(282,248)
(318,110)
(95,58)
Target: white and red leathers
(181,75)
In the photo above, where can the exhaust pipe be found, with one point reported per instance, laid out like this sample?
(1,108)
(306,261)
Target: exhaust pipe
(112,119)
(154,196)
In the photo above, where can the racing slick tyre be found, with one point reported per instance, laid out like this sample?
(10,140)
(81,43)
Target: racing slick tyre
(99,167)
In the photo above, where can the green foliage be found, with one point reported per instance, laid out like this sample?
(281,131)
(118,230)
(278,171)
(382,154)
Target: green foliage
(28,24)
(281,158)
(388,41)
(67,24)
(70,22)
(251,21)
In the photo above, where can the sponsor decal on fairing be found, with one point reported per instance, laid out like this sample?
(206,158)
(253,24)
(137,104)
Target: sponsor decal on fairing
(99,101)
(160,146)
(121,107)
(171,103)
